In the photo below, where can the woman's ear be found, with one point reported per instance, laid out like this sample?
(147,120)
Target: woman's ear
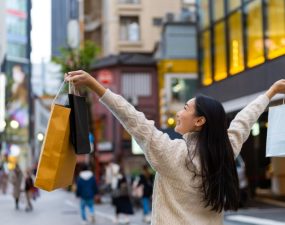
(201,121)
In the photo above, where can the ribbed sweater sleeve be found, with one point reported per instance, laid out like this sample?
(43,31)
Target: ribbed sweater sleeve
(158,148)
(241,125)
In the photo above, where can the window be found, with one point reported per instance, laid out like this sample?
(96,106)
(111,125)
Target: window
(206,59)
(219,9)
(233,4)
(157,21)
(16,26)
(135,85)
(204,13)
(236,43)
(129,28)
(180,88)
(276,29)
(220,52)
(16,4)
(16,50)
(255,45)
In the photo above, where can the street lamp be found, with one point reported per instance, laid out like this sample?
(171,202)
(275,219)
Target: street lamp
(14,124)
(40,137)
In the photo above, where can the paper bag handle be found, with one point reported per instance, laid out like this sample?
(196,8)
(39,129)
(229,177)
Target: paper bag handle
(72,89)
(57,94)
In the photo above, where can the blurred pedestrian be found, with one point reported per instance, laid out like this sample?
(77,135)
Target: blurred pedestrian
(196,177)
(86,189)
(121,199)
(3,179)
(111,173)
(17,177)
(146,181)
(29,188)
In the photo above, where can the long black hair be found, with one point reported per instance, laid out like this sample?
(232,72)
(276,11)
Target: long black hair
(220,185)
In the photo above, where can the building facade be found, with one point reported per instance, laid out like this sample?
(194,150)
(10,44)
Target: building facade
(127,25)
(241,53)
(176,57)
(3,32)
(133,76)
(17,69)
(63,13)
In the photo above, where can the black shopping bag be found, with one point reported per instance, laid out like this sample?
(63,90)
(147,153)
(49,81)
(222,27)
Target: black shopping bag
(79,125)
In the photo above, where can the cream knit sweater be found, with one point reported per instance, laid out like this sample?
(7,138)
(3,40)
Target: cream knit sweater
(176,201)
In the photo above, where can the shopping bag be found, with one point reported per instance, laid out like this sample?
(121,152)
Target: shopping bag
(79,123)
(57,160)
(275,143)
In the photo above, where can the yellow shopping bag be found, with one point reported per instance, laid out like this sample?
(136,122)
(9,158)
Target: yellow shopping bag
(57,160)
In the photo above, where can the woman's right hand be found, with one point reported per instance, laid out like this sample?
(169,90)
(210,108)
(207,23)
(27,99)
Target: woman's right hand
(81,78)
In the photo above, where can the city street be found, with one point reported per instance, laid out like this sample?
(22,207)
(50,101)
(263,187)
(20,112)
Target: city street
(61,207)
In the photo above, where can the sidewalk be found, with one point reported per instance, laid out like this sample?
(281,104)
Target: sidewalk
(57,207)
(62,208)
(267,197)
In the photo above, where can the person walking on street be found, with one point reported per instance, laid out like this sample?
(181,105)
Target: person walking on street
(111,176)
(86,189)
(146,180)
(3,179)
(17,177)
(121,199)
(196,177)
(29,188)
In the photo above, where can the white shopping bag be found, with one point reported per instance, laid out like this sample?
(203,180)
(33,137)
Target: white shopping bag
(275,143)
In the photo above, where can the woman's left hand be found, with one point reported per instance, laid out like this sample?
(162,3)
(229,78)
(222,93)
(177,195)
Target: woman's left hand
(277,88)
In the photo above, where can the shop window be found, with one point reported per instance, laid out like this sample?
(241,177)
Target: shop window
(179,89)
(206,59)
(236,43)
(220,52)
(219,9)
(276,29)
(255,45)
(129,28)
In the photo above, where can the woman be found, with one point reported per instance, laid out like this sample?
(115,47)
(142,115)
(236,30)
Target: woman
(121,200)
(29,187)
(17,177)
(146,180)
(196,178)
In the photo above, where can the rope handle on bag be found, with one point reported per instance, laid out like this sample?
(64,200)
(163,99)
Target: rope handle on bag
(57,94)
(71,90)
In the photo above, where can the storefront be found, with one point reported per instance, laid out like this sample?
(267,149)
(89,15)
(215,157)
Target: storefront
(241,52)
(133,76)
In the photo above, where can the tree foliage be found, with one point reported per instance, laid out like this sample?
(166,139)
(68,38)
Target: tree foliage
(75,59)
